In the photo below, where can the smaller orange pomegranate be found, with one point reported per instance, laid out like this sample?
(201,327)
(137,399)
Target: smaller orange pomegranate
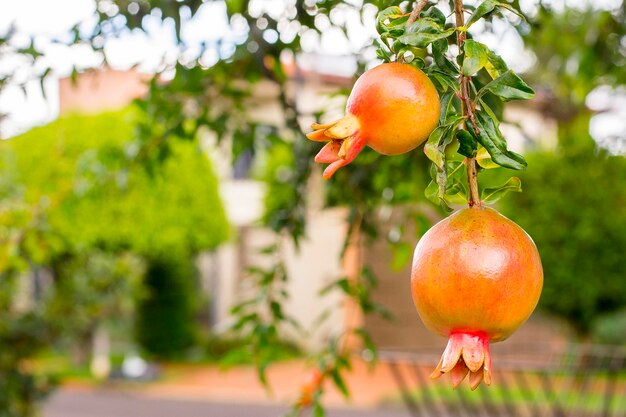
(392,108)
(476,278)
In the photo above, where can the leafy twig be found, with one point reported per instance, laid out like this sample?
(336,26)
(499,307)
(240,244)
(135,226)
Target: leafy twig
(415,14)
(468,107)
(416,11)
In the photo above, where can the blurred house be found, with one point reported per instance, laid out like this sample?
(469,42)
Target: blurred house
(97,91)
(317,263)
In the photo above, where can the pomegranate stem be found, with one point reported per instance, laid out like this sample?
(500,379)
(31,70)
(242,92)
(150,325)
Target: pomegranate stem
(472,180)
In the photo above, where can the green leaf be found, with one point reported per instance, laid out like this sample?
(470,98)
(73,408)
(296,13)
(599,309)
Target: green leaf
(467,143)
(446,106)
(435,149)
(441,137)
(383,55)
(456,190)
(431,148)
(512,9)
(424,25)
(397,24)
(339,382)
(422,40)
(435,14)
(508,86)
(446,81)
(277,310)
(440,48)
(475,57)
(491,195)
(424,32)
(393,12)
(432,194)
(446,184)
(456,170)
(496,65)
(442,181)
(478,56)
(487,7)
(396,32)
(491,138)
(341,283)
(484,8)
(453,120)
(456,194)
(484,159)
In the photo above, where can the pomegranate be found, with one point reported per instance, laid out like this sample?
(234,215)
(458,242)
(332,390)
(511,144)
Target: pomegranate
(476,277)
(392,108)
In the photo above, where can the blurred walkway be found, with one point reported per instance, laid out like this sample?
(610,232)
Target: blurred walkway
(112,404)
(210,391)
(368,386)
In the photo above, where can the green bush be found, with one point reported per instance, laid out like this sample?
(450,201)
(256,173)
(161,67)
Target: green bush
(573,207)
(166,325)
(101,287)
(80,175)
(95,197)
(611,328)
(21,337)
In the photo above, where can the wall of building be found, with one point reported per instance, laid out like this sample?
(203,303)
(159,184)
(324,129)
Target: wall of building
(101,90)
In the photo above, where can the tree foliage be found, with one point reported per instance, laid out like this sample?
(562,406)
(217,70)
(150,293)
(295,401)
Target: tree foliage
(74,202)
(581,49)
(166,316)
(22,335)
(577,50)
(570,206)
(94,289)
(78,165)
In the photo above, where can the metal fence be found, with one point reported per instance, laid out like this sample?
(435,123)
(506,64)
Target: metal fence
(528,381)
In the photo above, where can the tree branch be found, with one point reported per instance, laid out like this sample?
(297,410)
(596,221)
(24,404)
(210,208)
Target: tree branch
(415,14)
(468,107)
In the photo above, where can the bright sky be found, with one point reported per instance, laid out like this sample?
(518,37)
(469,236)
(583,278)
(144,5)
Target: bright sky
(54,19)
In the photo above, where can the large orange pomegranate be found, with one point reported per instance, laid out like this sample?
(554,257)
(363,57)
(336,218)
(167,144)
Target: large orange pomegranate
(392,108)
(476,278)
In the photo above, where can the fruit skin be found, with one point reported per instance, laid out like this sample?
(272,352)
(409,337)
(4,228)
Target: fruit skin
(397,106)
(475,274)
(476,270)
(392,108)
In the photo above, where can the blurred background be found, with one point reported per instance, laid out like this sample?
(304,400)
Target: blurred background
(164,233)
